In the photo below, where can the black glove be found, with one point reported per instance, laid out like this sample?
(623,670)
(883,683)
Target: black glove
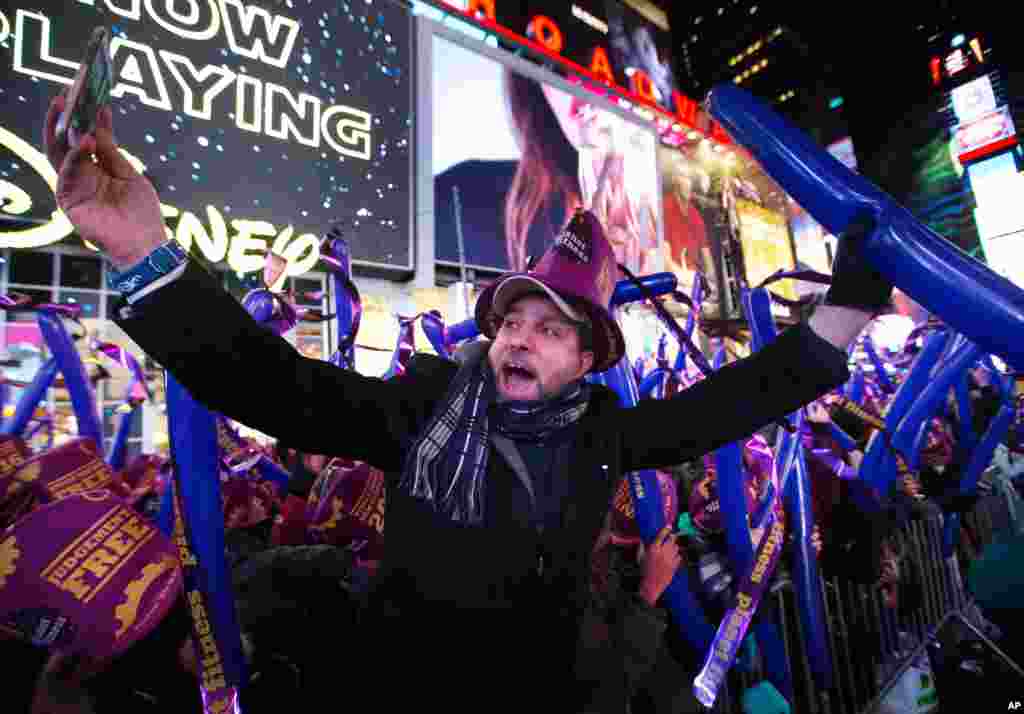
(855,283)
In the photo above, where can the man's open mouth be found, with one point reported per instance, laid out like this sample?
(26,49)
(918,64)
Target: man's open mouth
(518,374)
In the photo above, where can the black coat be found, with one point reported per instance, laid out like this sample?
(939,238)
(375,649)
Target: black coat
(459,598)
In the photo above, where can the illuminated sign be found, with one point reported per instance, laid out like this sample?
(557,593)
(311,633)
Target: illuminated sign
(956,61)
(604,42)
(244,246)
(502,217)
(258,127)
(146,71)
(766,248)
(973,99)
(1005,255)
(993,132)
(954,64)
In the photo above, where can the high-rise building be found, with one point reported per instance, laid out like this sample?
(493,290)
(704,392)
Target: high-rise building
(756,45)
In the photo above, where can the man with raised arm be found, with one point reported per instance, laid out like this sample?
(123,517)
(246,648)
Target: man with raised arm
(502,466)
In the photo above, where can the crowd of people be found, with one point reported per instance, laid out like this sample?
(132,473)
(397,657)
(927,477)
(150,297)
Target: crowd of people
(510,572)
(308,553)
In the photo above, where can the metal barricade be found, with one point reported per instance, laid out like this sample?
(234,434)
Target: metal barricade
(873,645)
(989,517)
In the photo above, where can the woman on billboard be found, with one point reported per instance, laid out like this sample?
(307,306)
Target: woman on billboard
(547,154)
(575,154)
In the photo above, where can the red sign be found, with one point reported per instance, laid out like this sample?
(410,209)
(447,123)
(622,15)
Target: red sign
(992,132)
(544,36)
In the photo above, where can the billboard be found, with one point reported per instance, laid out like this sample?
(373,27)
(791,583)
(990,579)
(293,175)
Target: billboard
(604,36)
(962,63)
(696,225)
(972,100)
(604,42)
(998,189)
(764,238)
(815,246)
(260,123)
(514,157)
(985,135)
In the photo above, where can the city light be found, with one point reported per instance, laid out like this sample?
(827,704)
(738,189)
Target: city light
(835,103)
(958,40)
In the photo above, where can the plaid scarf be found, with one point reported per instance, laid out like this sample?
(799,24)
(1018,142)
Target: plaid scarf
(446,464)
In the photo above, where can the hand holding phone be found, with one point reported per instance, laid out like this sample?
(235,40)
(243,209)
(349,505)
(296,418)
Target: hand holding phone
(90,90)
(110,203)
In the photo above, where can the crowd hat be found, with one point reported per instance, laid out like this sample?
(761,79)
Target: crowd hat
(86,574)
(346,508)
(578,273)
(71,468)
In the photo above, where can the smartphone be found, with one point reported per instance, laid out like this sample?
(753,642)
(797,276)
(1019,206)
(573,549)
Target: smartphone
(91,89)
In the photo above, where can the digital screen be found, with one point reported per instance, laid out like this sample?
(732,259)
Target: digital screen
(812,241)
(973,100)
(696,224)
(996,184)
(997,188)
(990,133)
(624,40)
(766,247)
(260,123)
(513,158)
(1005,255)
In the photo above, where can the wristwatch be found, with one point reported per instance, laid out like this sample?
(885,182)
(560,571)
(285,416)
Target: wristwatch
(158,263)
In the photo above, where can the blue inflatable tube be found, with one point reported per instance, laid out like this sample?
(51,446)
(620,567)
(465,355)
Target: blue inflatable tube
(981,456)
(883,377)
(796,492)
(858,386)
(30,398)
(646,493)
(83,399)
(194,448)
(260,304)
(434,329)
(918,376)
(460,331)
(806,580)
(931,399)
(271,472)
(732,498)
(909,434)
(653,380)
(656,284)
(116,457)
(757,304)
(347,304)
(697,298)
(965,293)
(967,440)
(844,440)
(625,291)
